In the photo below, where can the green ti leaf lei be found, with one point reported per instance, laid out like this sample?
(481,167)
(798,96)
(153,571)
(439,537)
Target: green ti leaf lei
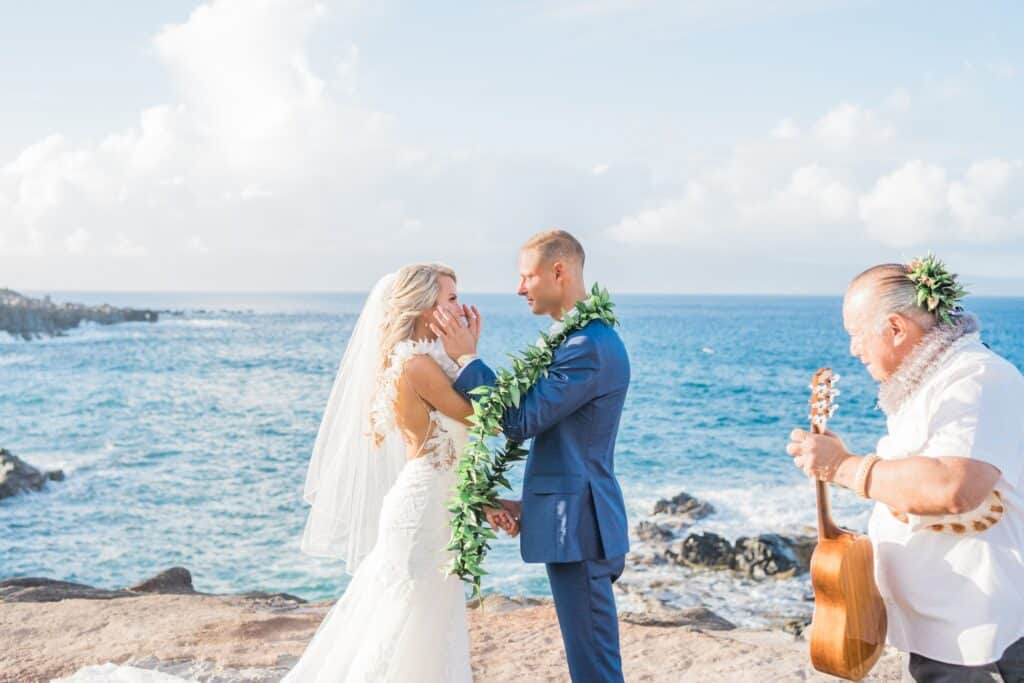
(480,471)
(938,290)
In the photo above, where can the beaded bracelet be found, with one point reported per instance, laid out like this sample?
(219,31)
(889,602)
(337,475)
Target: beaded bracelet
(860,483)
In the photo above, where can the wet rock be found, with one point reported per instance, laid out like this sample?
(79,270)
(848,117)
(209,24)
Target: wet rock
(772,555)
(706,550)
(766,555)
(646,557)
(17,476)
(804,547)
(174,580)
(684,505)
(652,531)
(34,589)
(797,626)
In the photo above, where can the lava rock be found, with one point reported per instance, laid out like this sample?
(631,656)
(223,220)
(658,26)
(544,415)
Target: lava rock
(652,531)
(35,589)
(30,318)
(685,505)
(174,580)
(772,555)
(706,550)
(16,475)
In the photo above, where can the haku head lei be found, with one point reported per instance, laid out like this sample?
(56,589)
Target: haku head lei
(938,290)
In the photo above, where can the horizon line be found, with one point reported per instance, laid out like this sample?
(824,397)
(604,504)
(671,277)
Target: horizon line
(467,293)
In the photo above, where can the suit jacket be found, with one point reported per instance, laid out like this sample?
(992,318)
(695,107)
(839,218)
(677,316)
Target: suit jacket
(572,504)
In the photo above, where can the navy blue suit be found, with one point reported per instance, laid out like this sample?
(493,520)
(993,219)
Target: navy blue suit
(573,514)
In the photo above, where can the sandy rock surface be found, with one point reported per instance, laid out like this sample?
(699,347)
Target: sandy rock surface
(245,638)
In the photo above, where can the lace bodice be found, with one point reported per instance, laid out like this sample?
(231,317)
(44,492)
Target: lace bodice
(444,434)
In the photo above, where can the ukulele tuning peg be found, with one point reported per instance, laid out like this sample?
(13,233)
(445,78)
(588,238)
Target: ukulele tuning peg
(836,377)
(834,393)
(832,410)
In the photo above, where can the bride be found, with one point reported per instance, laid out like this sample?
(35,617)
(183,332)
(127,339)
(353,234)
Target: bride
(379,482)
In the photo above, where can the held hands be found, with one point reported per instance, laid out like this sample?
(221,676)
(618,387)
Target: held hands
(818,455)
(506,517)
(458,340)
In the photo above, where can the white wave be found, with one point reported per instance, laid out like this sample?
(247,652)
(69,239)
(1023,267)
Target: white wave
(763,507)
(16,359)
(212,323)
(70,462)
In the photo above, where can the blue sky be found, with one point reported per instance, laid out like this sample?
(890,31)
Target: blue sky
(727,146)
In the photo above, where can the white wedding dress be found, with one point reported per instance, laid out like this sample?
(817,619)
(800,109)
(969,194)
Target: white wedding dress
(402,618)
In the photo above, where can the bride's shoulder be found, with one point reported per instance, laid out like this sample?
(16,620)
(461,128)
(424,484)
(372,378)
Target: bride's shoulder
(421,368)
(422,359)
(406,350)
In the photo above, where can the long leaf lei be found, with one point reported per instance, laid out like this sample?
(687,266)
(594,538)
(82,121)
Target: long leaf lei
(481,471)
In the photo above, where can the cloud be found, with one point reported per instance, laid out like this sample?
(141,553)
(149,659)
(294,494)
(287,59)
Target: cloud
(253,139)
(905,207)
(840,183)
(918,203)
(848,124)
(786,130)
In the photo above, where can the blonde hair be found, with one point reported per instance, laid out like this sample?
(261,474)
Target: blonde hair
(557,245)
(415,290)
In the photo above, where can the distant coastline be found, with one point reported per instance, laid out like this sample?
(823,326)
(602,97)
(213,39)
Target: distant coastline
(30,318)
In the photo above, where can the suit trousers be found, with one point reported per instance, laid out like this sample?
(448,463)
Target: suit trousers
(587,617)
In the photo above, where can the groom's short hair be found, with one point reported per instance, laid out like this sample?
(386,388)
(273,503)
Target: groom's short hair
(557,245)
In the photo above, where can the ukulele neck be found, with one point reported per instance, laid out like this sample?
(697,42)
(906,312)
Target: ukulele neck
(827,529)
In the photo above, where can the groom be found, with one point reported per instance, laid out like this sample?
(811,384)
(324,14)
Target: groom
(572,515)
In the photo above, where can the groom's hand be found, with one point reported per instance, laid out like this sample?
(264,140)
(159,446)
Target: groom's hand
(498,518)
(458,340)
(514,509)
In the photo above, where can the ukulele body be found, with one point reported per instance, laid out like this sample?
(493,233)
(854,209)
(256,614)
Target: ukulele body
(849,624)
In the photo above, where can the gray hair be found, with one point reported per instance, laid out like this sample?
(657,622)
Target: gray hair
(894,293)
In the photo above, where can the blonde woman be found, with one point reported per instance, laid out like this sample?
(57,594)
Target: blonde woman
(379,482)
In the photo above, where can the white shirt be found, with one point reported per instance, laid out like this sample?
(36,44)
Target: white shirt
(957,598)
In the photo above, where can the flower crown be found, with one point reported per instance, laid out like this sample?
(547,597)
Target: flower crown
(938,290)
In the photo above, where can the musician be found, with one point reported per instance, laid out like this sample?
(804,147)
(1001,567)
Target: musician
(948,478)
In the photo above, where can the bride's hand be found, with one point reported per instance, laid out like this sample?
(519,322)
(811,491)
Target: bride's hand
(458,340)
(474,320)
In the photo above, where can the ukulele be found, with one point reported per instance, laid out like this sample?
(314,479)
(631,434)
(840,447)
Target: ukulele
(848,628)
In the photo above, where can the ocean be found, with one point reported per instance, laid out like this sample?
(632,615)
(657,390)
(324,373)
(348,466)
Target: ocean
(186,442)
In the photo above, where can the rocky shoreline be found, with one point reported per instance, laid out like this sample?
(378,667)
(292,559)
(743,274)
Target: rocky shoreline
(29,318)
(50,629)
(671,563)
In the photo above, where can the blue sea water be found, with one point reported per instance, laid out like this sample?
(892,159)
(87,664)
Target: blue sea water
(186,442)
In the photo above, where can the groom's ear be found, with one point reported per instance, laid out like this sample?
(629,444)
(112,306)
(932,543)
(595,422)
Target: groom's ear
(558,269)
